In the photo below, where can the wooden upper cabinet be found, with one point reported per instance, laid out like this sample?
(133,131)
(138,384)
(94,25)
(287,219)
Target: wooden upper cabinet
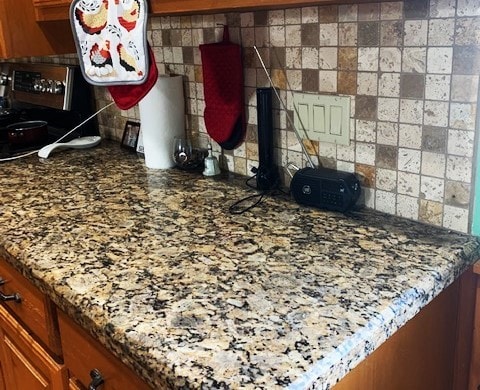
(172,7)
(22,36)
(46,10)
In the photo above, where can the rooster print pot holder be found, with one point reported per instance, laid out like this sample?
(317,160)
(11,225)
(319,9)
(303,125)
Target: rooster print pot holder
(110,36)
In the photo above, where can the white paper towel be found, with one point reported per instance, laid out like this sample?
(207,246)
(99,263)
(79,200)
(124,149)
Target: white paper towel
(162,117)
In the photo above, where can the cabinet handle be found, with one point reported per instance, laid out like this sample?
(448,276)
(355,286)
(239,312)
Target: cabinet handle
(13,297)
(97,379)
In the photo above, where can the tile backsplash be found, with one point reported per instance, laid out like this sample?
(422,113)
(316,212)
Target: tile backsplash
(411,69)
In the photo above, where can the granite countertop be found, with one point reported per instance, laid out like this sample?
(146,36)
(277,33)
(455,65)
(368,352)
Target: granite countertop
(152,263)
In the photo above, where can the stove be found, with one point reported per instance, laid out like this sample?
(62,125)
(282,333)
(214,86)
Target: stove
(56,94)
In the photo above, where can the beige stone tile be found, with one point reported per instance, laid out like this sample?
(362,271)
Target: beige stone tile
(407,207)
(464,88)
(432,188)
(431,212)
(408,184)
(455,218)
(441,32)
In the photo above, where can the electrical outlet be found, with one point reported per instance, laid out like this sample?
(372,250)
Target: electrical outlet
(323,117)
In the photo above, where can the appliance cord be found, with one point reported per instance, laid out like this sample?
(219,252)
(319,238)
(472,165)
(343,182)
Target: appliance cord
(61,138)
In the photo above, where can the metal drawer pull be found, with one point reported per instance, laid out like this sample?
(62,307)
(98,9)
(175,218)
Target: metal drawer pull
(13,297)
(97,379)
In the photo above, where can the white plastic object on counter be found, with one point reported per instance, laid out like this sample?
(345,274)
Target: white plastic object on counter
(77,143)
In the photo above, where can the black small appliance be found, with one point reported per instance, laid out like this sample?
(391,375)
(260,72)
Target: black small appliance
(325,188)
(56,94)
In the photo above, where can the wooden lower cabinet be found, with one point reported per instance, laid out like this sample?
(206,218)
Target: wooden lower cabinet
(424,353)
(474,377)
(25,363)
(83,354)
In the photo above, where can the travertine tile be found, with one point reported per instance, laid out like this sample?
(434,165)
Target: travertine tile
(415,9)
(293,59)
(328,81)
(408,184)
(367,174)
(391,33)
(310,58)
(386,179)
(328,14)
(389,84)
(347,13)
(431,212)
(310,80)
(409,160)
(460,142)
(385,201)
(368,11)
(455,218)
(433,164)
(294,34)
(432,188)
(328,58)
(276,17)
(293,16)
(387,133)
(365,153)
(442,8)
(411,111)
(310,34)
(347,58)
(468,8)
(407,207)
(390,59)
(466,60)
(412,86)
(366,107)
(464,88)
(388,109)
(415,33)
(439,60)
(367,83)
(459,169)
(329,34)
(437,87)
(277,36)
(414,60)
(435,113)
(457,194)
(391,10)
(462,116)
(441,32)
(309,15)
(387,156)
(434,139)
(365,131)
(347,83)
(368,33)
(347,34)
(368,59)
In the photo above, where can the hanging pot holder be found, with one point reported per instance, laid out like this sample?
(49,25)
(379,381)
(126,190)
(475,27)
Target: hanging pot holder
(223,89)
(110,37)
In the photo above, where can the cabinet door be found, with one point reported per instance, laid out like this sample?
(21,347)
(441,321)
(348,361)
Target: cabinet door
(474,382)
(21,36)
(48,10)
(26,365)
(83,354)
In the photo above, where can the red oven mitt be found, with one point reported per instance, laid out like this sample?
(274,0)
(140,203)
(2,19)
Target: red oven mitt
(127,96)
(223,89)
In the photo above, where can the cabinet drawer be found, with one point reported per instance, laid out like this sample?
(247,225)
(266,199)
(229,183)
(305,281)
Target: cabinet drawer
(26,365)
(34,309)
(82,354)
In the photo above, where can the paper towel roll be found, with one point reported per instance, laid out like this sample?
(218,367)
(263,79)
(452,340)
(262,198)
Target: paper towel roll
(162,117)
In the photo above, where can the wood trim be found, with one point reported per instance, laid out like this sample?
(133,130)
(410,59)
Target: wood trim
(474,378)
(420,355)
(175,7)
(465,325)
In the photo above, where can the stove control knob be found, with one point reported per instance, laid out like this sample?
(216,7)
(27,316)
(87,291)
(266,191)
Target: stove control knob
(37,85)
(56,87)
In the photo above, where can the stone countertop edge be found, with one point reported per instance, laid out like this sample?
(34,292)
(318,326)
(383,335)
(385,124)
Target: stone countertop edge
(281,297)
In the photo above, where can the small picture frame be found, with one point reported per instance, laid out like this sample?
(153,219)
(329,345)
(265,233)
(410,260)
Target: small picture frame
(131,135)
